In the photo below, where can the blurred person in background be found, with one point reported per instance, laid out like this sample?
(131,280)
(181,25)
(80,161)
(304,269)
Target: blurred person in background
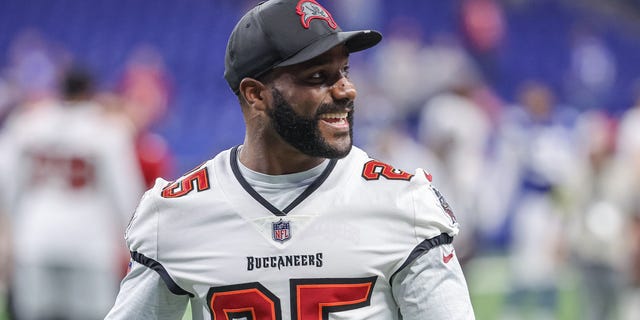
(75,181)
(484,28)
(455,128)
(593,69)
(535,160)
(628,140)
(599,217)
(144,93)
(398,64)
(34,67)
(7,96)
(631,303)
(628,152)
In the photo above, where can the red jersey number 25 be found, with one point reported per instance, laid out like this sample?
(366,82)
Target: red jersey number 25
(311,299)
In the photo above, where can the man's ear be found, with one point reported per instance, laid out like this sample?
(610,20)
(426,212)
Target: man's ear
(255,93)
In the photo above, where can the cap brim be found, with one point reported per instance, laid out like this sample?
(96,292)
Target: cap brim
(354,40)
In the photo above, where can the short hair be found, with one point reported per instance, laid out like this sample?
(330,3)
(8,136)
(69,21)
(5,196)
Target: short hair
(76,82)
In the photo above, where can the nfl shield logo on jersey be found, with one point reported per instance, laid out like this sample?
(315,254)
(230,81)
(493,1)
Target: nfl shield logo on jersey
(281,230)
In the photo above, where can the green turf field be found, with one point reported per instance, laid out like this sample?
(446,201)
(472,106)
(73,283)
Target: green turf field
(488,285)
(3,315)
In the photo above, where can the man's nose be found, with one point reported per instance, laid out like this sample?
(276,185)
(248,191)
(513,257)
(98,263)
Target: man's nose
(343,89)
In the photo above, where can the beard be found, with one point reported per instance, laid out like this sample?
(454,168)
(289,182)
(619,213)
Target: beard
(303,133)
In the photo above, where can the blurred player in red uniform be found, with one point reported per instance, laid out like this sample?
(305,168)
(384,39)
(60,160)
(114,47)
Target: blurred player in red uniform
(145,89)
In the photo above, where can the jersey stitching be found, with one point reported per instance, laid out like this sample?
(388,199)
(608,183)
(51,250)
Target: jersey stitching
(422,248)
(160,269)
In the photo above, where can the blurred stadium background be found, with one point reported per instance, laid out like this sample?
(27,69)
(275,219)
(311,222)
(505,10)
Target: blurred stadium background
(505,101)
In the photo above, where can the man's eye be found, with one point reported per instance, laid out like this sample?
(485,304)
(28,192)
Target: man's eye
(345,71)
(317,76)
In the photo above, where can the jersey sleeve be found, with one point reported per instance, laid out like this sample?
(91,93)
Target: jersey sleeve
(147,292)
(143,295)
(141,234)
(432,214)
(430,282)
(433,286)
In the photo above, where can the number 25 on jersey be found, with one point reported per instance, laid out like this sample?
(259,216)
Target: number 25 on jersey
(311,299)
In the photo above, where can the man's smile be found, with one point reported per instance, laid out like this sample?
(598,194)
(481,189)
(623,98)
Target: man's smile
(335,119)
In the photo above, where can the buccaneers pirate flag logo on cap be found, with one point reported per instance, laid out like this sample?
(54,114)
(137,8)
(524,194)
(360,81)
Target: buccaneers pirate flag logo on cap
(280,33)
(310,9)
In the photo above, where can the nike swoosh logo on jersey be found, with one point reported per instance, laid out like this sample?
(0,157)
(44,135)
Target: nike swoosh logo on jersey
(447,258)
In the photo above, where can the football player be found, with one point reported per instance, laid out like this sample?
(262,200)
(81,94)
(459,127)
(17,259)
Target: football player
(66,161)
(295,223)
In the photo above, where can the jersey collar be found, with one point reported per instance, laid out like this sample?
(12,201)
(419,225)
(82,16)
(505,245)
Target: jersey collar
(307,192)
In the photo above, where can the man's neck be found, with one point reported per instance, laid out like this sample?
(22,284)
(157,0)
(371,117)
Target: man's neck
(276,159)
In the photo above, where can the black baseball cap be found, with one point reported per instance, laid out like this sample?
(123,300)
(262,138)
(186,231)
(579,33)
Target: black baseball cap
(278,33)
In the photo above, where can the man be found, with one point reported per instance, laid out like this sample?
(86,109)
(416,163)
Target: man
(67,203)
(295,223)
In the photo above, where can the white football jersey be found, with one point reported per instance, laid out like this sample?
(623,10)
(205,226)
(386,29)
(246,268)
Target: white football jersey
(333,253)
(74,177)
